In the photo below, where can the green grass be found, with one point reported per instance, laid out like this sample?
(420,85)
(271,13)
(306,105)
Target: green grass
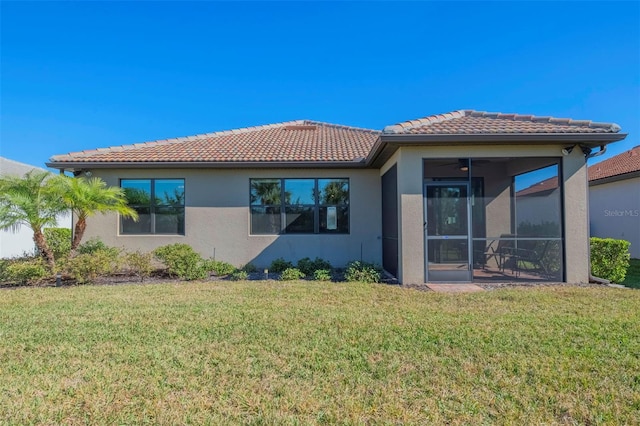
(316,353)
(633,274)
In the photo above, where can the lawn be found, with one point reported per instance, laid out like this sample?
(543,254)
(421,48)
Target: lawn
(633,274)
(315,353)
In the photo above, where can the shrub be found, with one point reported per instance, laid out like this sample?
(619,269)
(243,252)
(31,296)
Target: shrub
(279,265)
(220,268)
(609,258)
(239,275)
(291,274)
(322,275)
(308,266)
(362,272)
(59,241)
(86,267)
(182,261)
(3,269)
(139,263)
(93,245)
(249,268)
(25,271)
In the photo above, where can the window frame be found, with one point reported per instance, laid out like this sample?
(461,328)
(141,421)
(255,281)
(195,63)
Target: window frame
(316,206)
(153,207)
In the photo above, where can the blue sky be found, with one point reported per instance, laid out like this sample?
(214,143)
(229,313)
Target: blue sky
(83,75)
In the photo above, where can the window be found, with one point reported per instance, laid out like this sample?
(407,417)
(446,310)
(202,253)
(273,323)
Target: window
(159,203)
(299,206)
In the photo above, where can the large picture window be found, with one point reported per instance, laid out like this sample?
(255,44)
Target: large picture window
(299,206)
(159,203)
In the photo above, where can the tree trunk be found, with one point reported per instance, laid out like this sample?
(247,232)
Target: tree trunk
(78,233)
(43,248)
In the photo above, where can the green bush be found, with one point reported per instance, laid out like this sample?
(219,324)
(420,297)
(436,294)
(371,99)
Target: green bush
(291,274)
(239,275)
(220,268)
(279,265)
(249,268)
(362,272)
(182,261)
(322,275)
(139,263)
(59,241)
(4,263)
(610,258)
(93,245)
(308,266)
(86,267)
(25,271)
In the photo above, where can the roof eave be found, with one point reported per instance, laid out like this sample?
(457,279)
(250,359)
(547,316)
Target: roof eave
(614,178)
(503,138)
(393,141)
(76,165)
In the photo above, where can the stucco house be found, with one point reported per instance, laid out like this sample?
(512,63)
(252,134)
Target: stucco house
(432,199)
(20,242)
(614,199)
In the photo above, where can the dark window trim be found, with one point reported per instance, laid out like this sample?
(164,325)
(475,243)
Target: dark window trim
(152,207)
(316,206)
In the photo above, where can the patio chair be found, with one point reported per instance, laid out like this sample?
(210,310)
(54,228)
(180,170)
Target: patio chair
(500,253)
(533,259)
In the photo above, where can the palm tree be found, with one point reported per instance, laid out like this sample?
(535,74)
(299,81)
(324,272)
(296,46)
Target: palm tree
(86,197)
(265,192)
(27,201)
(335,192)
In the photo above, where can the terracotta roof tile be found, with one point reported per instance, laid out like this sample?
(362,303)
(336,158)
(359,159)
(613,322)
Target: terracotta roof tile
(312,141)
(300,140)
(627,162)
(540,187)
(480,122)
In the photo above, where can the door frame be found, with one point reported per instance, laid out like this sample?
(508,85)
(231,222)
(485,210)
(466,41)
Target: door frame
(448,276)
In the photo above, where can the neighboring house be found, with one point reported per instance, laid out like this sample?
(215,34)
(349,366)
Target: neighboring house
(614,199)
(432,199)
(17,243)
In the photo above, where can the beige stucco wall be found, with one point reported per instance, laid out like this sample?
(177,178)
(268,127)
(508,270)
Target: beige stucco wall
(411,268)
(217,217)
(576,218)
(614,212)
(497,193)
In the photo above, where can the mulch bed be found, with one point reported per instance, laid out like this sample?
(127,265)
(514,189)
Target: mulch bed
(159,277)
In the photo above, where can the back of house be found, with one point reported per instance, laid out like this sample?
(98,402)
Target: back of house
(457,197)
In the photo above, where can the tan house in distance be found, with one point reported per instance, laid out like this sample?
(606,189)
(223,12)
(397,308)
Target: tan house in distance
(432,200)
(614,199)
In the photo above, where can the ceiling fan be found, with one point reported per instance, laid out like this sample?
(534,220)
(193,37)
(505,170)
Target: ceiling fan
(463,164)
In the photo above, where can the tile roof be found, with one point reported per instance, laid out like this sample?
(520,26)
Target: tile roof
(479,122)
(306,141)
(292,141)
(541,187)
(627,162)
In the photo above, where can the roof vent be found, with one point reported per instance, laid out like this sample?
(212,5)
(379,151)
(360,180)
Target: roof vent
(301,127)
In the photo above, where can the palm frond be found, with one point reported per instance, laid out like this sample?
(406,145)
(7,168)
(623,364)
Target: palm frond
(87,197)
